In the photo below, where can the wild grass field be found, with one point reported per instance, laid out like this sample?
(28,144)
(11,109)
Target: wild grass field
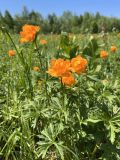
(59,96)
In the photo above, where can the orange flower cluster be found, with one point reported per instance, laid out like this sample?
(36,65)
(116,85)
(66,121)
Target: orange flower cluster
(62,69)
(43,41)
(103,54)
(11,53)
(113,48)
(28,33)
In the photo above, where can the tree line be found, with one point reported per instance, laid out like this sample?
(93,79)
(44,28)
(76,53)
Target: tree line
(68,22)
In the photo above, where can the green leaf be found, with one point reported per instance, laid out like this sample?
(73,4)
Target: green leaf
(60,150)
(91,47)
(94,120)
(112,133)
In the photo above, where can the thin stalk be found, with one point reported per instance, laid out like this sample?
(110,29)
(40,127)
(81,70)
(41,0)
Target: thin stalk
(94,152)
(39,54)
(46,79)
(12,41)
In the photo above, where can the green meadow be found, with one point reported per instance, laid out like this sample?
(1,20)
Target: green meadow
(46,115)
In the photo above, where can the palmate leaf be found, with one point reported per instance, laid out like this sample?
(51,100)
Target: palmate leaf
(109,96)
(43,148)
(116,119)
(59,110)
(111,152)
(60,150)
(114,126)
(48,139)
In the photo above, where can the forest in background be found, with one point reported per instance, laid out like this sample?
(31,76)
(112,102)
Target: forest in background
(68,22)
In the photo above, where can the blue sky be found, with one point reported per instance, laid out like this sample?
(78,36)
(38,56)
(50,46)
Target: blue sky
(105,7)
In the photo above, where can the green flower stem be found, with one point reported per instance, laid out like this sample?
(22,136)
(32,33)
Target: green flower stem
(94,152)
(38,52)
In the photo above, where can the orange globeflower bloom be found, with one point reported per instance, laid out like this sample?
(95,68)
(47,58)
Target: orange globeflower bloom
(28,33)
(59,67)
(113,48)
(43,41)
(78,64)
(11,53)
(37,69)
(103,54)
(68,79)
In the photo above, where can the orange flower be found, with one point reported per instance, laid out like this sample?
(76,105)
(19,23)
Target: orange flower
(37,69)
(59,67)
(78,64)
(103,54)
(113,48)
(11,53)
(68,79)
(43,41)
(28,33)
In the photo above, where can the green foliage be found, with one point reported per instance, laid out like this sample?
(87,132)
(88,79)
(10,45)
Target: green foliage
(67,48)
(40,118)
(67,22)
(91,47)
(95,28)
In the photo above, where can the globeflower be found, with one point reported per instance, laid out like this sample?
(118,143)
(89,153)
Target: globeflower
(37,69)
(11,53)
(103,54)
(113,48)
(43,41)
(68,79)
(28,33)
(59,67)
(78,64)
